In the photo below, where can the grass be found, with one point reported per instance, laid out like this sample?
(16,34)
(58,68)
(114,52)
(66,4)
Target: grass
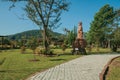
(101,51)
(60,51)
(17,66)
(93,51)
(114,70)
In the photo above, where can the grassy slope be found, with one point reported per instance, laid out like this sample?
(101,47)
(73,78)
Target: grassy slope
(17,66)
(114,70)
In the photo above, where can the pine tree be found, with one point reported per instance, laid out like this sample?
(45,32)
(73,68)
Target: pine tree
(101,25)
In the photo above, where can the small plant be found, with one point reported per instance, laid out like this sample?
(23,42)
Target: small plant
(23,49)
(114,48)
(41,51)
(114,45)
(63,47)
(89,48)
(48,52)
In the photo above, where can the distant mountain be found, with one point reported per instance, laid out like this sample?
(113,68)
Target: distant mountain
(32,33)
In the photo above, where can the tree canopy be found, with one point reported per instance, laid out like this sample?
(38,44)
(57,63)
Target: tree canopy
(46,14)
(101,25)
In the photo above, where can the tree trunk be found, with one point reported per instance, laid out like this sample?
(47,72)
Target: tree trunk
(2,42)
(45,38)
(97,45)
(109,44)
(34,54)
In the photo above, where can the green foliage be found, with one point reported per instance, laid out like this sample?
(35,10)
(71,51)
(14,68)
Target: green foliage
(23,49)
(5,41)
(71,36)
(46,14)
(64,47)
(49,52)
(33,43)
(31,33)
(24,38)
(101,25)
(114,45)
(44,52)
(116,24)
(115,36)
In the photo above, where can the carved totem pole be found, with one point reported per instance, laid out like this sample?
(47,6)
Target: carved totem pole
(80,43)
(80,37)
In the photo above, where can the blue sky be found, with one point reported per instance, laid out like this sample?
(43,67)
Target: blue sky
(80,10)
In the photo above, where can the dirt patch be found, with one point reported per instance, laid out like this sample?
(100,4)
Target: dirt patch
(116,63)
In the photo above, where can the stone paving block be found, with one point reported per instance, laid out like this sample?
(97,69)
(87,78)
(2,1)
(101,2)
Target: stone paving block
(83,68)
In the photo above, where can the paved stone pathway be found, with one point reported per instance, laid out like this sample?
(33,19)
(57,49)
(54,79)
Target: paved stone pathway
(83,68)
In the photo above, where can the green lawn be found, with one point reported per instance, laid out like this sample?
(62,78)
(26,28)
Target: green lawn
(17,66)
(101,51)
(114,70)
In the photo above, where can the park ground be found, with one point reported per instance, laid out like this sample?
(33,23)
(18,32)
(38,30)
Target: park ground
(17,66)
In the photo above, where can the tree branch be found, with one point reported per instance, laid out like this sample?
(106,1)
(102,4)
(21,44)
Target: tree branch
(48,16)
(38,12)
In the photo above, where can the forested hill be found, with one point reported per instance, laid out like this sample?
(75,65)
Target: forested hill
(32,33)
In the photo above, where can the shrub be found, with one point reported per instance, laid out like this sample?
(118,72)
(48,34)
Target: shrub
(114,44)
(114,49)
(52,46)
(64,47)
(23,49)
(48,52)
(40,50)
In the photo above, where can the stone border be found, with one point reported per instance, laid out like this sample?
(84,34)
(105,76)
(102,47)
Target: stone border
(104,72)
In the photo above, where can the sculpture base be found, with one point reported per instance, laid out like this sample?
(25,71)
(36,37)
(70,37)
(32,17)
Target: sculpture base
(82,43)
(79,46)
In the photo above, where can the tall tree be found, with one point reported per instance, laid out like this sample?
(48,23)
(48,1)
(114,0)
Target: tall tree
(45,13)
(70,35)
(116,23)
(101,25)
(115,36)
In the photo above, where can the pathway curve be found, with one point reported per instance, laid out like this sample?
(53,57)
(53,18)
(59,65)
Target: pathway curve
(83,68)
